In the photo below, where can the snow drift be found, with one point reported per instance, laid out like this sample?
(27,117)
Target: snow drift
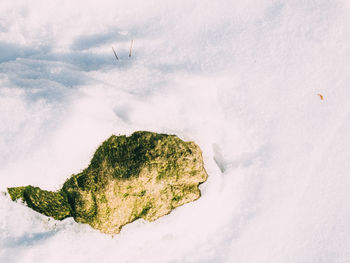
(239,78)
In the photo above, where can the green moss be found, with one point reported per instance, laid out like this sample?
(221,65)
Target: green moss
(102,194)
(143,212)
(45,202)
(16,192)
(125,155)
(103,199)
(176,198)
(142,193)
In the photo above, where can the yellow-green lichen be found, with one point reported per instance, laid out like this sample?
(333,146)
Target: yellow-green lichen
(145,175)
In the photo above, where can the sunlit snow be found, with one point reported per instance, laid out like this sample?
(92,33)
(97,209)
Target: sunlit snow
(240,78)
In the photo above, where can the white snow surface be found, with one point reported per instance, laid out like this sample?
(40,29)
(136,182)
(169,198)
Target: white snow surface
(240,78)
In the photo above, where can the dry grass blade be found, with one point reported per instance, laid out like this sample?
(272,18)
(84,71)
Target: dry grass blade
(132,42)
(115,54)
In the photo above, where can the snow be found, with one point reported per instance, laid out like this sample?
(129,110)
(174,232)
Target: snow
(240,78)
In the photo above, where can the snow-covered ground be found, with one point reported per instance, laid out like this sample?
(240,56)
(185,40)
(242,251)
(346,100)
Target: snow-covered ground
(240,78)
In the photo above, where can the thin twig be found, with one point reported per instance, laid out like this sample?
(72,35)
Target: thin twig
(132,41)
(115,54)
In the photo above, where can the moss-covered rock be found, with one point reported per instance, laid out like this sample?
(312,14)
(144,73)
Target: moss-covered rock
(145,175)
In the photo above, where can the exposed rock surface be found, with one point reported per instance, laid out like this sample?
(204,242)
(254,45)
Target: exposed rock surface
(145,175)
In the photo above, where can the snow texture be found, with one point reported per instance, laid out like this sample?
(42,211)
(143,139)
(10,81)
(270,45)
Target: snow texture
(240,78)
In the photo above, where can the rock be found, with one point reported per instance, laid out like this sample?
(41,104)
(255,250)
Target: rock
(145,175)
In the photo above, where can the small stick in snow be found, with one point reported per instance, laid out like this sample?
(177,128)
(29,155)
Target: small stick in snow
(320,95)
(115,54)
(132,41)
